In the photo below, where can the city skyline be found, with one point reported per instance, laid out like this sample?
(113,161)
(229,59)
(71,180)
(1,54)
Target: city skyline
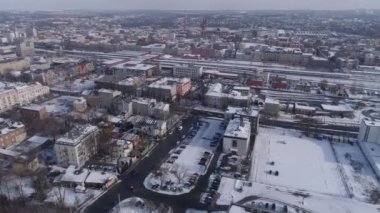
(187,5)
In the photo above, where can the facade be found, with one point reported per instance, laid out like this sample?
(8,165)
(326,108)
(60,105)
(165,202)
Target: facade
(192,72)
(271,107)
(26,94)
(21,95)
(369,131)
(12,133)
(369,143)
(25,48)
(237,136)
(77,146)
(33,112)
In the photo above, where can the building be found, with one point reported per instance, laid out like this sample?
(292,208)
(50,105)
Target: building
(169,89)
(106,97)
(12,133)
(369,143)
(189,71)
(237,136)
(271,107)
(77,146)
(34,112)
(219,97)
(27,93)
(11,96)
(249,113)
(13,65)
(25,48)
(338,110)
(151,108)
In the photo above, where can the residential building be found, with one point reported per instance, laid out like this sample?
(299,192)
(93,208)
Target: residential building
(34,112)
(150,107)
(169,89)
(12,133)
(77,146)
(219,97)
(237,136)
(27,93)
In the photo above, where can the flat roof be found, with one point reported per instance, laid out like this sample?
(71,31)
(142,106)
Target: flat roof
(238,128)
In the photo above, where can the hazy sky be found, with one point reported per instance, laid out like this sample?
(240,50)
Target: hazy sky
(188,4)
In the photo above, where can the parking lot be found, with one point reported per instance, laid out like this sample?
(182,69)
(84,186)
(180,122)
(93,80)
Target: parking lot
(189,160)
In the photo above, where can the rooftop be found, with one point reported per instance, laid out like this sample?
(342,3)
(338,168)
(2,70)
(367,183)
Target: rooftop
(76,134)
(239,128)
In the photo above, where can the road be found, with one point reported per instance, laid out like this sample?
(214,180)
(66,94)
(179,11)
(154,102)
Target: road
(178,203)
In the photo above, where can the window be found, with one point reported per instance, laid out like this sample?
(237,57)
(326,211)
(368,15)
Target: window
(234,143)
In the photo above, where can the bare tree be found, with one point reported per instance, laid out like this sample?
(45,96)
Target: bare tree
(60,196)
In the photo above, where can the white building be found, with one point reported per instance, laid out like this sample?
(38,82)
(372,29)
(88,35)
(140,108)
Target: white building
(271,107)
(237,136)
(369,142)
(369,131)
(77,146)
(192,72)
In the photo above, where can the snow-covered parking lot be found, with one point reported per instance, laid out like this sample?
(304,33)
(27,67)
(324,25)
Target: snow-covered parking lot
(190,159)
(287,158)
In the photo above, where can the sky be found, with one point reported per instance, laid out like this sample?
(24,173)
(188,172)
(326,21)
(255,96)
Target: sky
(189,4)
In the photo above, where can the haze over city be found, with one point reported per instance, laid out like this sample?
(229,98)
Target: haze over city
(189,5)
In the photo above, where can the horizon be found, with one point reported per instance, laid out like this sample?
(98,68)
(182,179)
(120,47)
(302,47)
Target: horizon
(197,5)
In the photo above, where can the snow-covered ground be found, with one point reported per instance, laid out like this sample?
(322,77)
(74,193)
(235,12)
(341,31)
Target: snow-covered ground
(357,171)
(14,187)
(68,196)
(186,162)
(313,202)
(302,163)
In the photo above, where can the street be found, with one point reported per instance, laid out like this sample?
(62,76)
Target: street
(178,203)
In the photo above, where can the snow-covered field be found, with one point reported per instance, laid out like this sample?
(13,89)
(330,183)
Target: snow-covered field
(302,163)
(357,171)
(14,187)
(186,162)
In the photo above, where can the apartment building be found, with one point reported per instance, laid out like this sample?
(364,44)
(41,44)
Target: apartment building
(237,136)
(21,95)
(11,133)
(77,146)
(150,107)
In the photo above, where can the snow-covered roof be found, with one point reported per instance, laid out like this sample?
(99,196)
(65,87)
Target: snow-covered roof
(238,128)
(337,108)
(75,135)
(98,177)
(242,111)
(271,101)
(75,175)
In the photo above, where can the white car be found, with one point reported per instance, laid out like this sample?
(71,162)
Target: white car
(180,128)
